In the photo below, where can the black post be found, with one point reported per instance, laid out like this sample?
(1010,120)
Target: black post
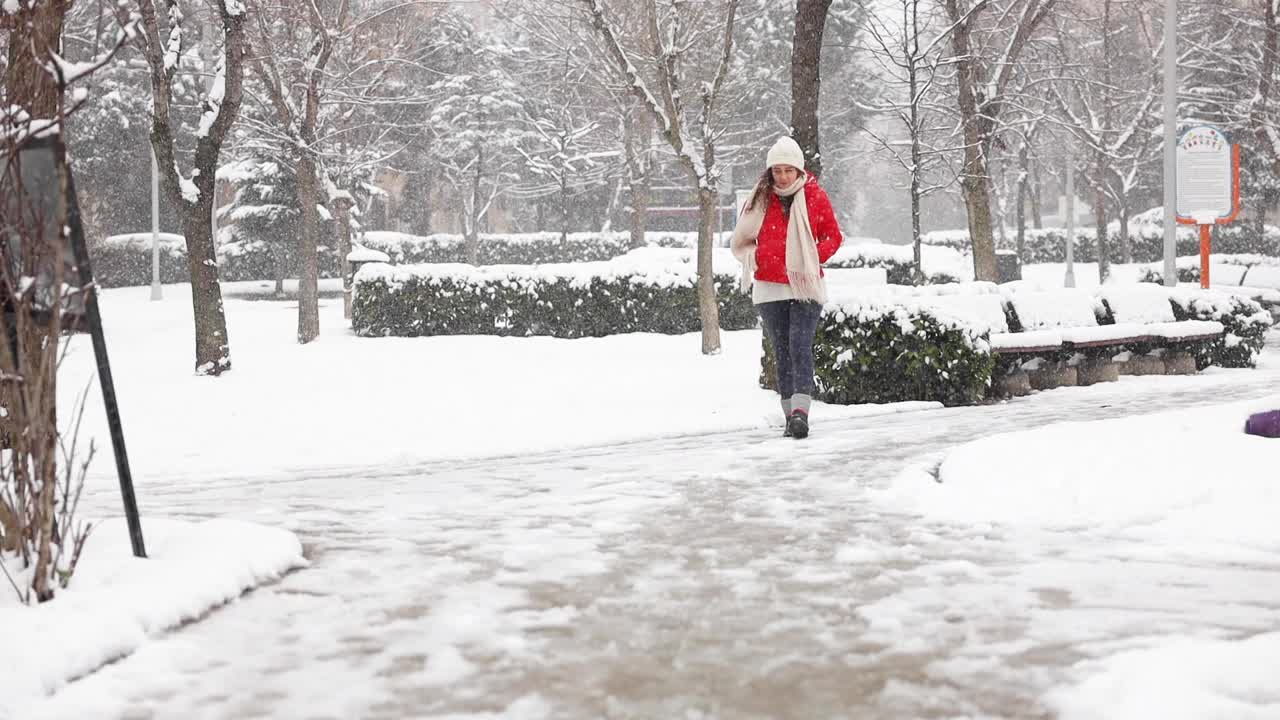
(81,253)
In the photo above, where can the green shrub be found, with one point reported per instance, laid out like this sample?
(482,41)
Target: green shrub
(1245,321)
(588,300)
(1146,242)
(516,249)
(125,260)
(877,353)
(898,262)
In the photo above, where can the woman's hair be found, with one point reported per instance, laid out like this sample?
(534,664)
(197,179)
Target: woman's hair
(763,186)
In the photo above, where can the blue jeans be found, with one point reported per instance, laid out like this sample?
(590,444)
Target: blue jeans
(790,326)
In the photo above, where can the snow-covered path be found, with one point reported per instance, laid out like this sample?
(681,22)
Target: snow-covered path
(718,576)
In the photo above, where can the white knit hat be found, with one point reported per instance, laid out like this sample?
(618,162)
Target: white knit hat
(785,152)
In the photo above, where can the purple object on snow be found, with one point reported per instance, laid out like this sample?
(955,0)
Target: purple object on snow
(1264,424)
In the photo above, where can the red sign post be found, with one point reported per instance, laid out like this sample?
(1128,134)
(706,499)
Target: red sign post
(1208,185)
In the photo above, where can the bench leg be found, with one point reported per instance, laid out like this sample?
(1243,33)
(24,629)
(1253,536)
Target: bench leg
(1013,384)
(1142,365)
(1179,362)
(1051,375)
(1097,369)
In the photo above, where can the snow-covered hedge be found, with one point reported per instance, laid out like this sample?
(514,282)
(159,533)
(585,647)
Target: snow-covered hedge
(650,290)
(1146,241)
(125,260)
(517,249)
(941,264)
(932,343)
(1245,321)
(1224,269)
(877,350)
(122,260)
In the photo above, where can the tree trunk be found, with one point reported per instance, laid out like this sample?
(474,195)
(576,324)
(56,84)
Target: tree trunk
(1122,209)
(1100,221)
(640,200)
(974,183)
(708,308)
(806,79)
(1037,214)
(471,241)
(564,207)
(342,216)
(308,260)
(1024,165)
(213,353)
(37,33)
(281,254)
(1125,246)
(977,204)
(427,188)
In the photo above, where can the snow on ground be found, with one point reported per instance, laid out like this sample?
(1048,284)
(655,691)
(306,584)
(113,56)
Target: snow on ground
(349,401)
(117,602)
(1192,678)
(1189,477)
(462,584)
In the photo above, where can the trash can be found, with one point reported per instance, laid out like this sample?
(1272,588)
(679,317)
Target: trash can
(1008,268)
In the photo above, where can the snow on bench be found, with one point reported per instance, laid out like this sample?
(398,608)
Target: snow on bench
(1147,305)
(1026,342)
(1053,309)
(1067,319)
(985,312)
(1186,330)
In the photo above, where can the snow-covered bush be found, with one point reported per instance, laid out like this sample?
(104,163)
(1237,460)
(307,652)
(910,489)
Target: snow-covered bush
(941,264)
(880,350)
(640,293)
(1245,321)
(1146,241)
(1188,268)
(122,260)
(125,260)
(516,249)
(256,259)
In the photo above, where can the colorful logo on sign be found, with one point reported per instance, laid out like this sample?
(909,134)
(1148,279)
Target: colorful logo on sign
(1204,140)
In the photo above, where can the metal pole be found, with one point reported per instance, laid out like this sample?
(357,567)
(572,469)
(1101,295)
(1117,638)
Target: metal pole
(81,251)
(1170,141)
(156,292)
(1070,279)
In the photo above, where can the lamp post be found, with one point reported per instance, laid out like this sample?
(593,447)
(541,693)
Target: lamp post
(1170,141)
(1070,279)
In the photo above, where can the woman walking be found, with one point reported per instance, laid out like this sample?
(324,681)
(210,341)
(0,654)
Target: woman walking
(786,231)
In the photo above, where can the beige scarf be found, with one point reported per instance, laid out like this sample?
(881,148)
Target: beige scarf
(803,273)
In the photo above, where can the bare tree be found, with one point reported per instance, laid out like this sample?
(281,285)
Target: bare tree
(1262,115)
(906,51)
(163,42)
(41,297)
(1112,114)
(982,82)
(294,79)
(675,30)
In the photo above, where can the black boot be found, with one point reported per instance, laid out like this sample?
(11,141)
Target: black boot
(798,425)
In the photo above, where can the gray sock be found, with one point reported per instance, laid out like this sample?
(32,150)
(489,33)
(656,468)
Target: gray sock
(786,407)
(801,402)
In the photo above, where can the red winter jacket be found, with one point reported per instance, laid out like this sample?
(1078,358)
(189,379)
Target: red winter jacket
(771,244)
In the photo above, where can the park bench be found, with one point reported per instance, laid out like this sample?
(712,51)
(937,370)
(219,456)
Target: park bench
(1056,338)
(1261,283)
